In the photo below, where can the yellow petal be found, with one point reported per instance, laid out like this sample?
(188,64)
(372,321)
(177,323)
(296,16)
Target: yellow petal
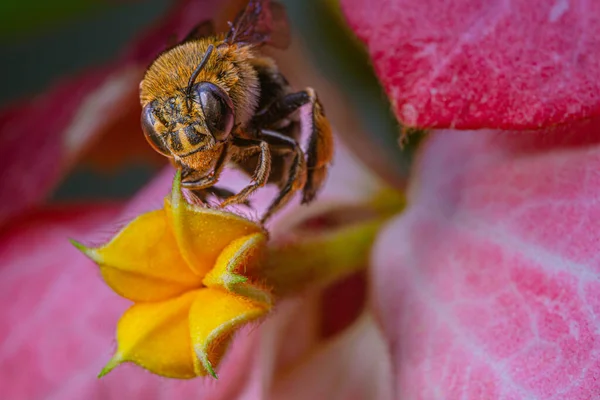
(202,233)
(214,317)
(142,262)
(237,265)
(156,336)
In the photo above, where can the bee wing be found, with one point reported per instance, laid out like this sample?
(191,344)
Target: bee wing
(262,22)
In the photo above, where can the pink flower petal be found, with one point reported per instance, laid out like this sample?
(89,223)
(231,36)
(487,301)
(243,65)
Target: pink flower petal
(353,366)
(488,285)
(472,64)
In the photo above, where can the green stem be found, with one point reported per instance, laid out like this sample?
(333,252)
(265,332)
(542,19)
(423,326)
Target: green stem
(320,259)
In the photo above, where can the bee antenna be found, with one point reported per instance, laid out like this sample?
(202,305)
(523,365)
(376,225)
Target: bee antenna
(209,51)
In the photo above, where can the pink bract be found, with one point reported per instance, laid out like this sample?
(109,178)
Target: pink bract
(472,64)
(487,286)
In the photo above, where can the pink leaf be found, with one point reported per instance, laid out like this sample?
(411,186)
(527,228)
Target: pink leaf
(472,64)
(488,286)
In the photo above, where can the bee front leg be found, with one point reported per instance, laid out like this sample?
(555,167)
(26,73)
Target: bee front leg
(216,191)
(261,173)
(203,187)
(203,182)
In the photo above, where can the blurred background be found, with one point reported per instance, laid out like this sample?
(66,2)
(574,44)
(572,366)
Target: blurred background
(45,43)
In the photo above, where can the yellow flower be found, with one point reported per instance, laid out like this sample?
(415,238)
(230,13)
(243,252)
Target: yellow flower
(196,275)
(191,273)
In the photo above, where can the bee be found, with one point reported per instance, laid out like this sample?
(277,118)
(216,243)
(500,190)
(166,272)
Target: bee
(215,99)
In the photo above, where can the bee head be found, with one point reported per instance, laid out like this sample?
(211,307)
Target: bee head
(182,126)
(196,119)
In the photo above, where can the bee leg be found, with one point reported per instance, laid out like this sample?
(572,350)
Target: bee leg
(261,173)
(296,177)
(281,109)
(315,126)
(218,192)
(224,194)
(202,183)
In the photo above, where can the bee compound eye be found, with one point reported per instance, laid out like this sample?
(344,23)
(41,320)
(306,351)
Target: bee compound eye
(218,109)
(150,133)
